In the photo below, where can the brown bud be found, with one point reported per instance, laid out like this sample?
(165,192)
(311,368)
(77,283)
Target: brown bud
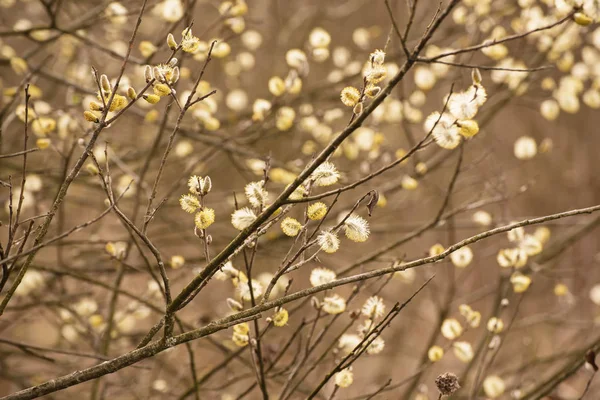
(374,198)
(447,383)
(590,358)
(315,303)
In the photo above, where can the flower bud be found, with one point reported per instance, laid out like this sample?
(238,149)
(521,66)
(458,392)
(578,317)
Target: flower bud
(157,74)
(147,48)
(148,74)
(160,89)
(350,96)
(90,116)
(175,75)
(468,128)
(171,41)
(104,83)
(152,98)
(43,143)
(372,91)
(435,353)
(315,303)
(476,76)
(234,305)
(131,93)
(95,106)
(582,19)
(206,185)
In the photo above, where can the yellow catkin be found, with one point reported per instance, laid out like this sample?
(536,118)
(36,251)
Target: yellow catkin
(280,318)
(317,211)
(162,90)
(152,98)
(90,116)
(204,218)
(43,143)
(290,226)
(350,96)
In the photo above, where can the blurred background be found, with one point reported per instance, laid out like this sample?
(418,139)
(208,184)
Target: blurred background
(56,322)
